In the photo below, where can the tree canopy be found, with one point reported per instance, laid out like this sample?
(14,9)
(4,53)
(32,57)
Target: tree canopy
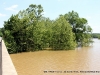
(29,30)
(80,27)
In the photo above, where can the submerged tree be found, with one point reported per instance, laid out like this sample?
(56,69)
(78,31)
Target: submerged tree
(30,31)
(21,30)
(63,38)
(80,27)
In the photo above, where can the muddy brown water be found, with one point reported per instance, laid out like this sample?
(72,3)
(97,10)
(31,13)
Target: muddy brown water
(82,61)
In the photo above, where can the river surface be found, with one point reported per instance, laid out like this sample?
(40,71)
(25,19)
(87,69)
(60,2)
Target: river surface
(82,61)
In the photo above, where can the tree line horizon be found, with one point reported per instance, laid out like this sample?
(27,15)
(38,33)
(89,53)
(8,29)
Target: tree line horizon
(29,30)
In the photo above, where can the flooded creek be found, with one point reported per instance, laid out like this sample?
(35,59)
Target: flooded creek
(82,61)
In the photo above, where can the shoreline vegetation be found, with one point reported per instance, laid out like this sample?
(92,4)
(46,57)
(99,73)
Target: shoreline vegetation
(96,35)
(29,30)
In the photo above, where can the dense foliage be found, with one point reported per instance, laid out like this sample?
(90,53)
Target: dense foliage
(30,31)
(80,27)
(1,32)
(62,36)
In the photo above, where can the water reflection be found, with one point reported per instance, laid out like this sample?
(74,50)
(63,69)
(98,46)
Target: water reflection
(81,59)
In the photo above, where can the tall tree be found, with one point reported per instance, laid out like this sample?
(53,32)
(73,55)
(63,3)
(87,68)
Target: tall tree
(79,26)
(63,38)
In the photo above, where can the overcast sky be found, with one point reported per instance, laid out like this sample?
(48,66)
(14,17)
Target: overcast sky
(89,9)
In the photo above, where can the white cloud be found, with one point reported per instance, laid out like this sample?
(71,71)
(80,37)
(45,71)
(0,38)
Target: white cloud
(2,15)
(12,8)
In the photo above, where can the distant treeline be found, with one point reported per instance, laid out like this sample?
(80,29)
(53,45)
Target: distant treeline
(96,35)
(29,30)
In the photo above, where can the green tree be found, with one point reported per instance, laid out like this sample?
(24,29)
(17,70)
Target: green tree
(1,32)
(23,29)
(7,35)
(30,31)
(80,27)
(63,38)
(34,29)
